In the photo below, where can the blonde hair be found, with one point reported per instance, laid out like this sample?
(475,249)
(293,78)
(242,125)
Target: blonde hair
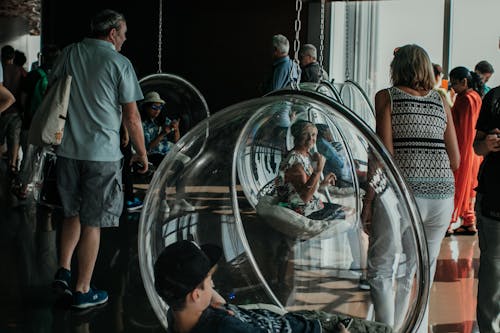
(412,67)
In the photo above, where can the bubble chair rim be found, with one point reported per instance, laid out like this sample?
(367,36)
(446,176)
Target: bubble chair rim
(177,78)
(421,247)
(338,98)
(145,269)
(354,83)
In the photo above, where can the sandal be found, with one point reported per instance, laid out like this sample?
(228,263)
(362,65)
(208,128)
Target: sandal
(466,230)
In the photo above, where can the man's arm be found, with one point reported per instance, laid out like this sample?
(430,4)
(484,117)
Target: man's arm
(133,124)
(485,143)
(6,98)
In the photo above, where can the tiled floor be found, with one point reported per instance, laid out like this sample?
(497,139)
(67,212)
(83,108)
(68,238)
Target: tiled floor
(453,295)
(28,238)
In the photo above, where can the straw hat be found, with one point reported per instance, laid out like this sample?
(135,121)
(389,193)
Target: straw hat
(153,97)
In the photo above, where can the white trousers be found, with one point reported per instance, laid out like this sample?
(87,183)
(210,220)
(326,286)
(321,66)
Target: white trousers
(391,258)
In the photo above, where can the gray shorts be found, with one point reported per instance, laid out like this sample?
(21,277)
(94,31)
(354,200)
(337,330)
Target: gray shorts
(91,190)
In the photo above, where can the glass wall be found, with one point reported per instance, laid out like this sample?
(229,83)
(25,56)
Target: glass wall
(364,35)
(475,35)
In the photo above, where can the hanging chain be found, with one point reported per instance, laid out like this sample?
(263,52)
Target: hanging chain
(347,44)
(321,39)
(296,45)
(160,28)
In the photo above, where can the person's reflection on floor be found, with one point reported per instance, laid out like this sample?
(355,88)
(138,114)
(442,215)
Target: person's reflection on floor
(459,271)
(35,243)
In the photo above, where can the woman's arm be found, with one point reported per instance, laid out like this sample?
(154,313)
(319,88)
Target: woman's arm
(383,111)
(6,98)
(305,185)
(175,127)
(450,139)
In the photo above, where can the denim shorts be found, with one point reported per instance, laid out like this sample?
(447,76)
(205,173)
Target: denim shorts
(91,190)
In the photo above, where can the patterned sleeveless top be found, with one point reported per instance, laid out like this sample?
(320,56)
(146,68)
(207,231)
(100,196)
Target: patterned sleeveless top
(418,126)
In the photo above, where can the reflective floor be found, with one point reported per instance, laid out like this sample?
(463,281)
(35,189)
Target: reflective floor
(28,239)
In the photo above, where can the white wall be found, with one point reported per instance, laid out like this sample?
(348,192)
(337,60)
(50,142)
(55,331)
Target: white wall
(14,31)
(28,44)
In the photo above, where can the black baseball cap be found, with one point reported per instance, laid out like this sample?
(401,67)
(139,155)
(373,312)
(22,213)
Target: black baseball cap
(182,266)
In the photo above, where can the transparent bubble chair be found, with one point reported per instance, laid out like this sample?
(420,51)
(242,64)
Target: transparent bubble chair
(183,100)
(227,169)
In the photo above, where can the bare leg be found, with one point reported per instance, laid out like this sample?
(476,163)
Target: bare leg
(70,235)
(88,248)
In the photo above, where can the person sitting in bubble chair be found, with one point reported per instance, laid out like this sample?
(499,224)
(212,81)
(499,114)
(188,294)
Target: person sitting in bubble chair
(183,279)
(300,176)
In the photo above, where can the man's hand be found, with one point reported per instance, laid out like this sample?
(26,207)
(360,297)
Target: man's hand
(341,328)
(143,160)
(492,140)
(124,140)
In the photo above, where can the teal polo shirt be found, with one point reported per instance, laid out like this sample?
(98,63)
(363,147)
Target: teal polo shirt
(103,79)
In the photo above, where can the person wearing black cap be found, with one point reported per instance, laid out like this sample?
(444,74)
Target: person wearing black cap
(183,279)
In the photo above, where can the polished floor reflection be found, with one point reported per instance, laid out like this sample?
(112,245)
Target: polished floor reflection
(28,239)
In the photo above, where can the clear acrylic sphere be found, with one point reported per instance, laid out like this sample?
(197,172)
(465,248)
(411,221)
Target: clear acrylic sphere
(217,186)
(183,101)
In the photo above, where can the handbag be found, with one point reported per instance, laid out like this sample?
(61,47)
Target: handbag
(47,125)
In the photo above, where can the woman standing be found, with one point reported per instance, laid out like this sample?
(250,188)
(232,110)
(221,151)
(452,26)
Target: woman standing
(468,88)
(416,126)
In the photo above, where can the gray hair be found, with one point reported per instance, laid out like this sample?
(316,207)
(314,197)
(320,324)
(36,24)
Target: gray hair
(308,50)
(281,43)
(104,21)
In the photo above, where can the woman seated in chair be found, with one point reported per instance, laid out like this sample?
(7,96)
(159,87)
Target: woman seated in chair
(160,133)
(300,174)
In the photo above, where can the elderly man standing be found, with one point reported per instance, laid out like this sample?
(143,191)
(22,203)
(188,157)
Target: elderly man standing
(311,69)
(282,64)
(104,89)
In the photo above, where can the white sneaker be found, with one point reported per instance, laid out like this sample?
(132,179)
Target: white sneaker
(184,159)
(185,206)
(181,206)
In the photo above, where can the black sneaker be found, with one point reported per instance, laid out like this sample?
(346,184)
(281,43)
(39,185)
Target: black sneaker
(62,281)
(89,299)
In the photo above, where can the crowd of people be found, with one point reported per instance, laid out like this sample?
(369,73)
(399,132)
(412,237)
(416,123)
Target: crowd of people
(438,137)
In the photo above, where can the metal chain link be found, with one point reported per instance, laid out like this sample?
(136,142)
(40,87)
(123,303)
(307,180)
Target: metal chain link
(347,73)
(160,28)
(296,44)
(321,38)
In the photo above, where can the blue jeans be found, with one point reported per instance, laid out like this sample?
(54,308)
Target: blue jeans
(488,291)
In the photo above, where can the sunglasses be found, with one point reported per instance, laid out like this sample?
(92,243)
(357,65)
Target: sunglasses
(156,107)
